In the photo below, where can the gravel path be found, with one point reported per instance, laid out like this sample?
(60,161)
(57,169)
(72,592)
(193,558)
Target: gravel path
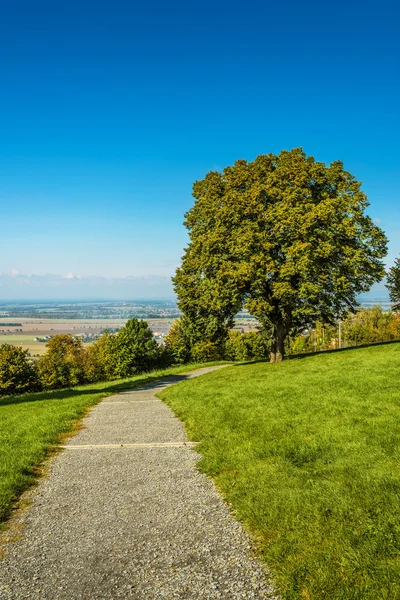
(129,521)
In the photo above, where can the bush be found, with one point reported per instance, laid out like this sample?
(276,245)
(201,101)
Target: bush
(98,365)
(64,363)
(16,372)
(370,325)
(178,342)
(206,352)
(247,346)
(134,350)
(301,344)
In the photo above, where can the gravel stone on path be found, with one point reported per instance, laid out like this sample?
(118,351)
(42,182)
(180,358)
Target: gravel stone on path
(141,523)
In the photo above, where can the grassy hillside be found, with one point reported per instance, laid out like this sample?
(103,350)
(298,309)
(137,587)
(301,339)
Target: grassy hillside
(30,426)
(308,454)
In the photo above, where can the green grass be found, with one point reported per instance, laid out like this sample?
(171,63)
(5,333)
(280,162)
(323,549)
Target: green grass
(31,424)
(307,452)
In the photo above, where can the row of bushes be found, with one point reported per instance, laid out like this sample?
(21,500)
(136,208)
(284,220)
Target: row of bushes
(67,362)
(365,326)
(183,347)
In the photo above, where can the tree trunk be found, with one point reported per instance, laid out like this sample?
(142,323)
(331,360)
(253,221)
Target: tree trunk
(272,354)
(280,343)
(277,352)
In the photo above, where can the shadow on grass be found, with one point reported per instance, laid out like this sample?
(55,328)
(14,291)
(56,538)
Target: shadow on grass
(107,388)
(309,354)
(335,350)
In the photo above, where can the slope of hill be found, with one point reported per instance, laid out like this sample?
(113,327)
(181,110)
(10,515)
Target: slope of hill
(307,453)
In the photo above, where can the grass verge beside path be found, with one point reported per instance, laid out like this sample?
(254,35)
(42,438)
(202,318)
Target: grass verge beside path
(31,424)
(307,452)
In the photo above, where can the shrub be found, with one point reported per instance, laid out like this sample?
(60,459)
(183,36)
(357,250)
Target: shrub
(98,364)
(134,350)
(206,352)
(247,346)
(63,365)
(301,344)
(178,342)
(370,325)
(16,372)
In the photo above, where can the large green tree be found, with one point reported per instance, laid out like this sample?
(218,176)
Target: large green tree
(393,284)
(284,236)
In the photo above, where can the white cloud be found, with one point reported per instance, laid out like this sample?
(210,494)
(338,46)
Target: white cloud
(72,276)
(15,273)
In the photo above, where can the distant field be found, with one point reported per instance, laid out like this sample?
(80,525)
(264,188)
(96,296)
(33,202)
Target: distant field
(24,341)
(32,328)
(307,452)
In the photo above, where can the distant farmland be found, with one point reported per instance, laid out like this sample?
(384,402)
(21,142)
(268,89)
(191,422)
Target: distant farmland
(23,341)
(32,328)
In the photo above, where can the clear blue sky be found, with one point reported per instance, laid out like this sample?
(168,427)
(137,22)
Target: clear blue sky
(110,110)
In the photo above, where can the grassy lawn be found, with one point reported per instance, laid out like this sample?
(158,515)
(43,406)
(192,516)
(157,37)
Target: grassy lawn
(307,453)
(30,426)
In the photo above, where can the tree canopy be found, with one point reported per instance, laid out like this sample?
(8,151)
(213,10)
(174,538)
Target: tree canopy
(63,365)
(393,284)
(17,374)
(283,236)
(134,349)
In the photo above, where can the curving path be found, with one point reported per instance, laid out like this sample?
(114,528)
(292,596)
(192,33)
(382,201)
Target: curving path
(123,513)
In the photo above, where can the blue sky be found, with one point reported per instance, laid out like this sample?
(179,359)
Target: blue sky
(110,111)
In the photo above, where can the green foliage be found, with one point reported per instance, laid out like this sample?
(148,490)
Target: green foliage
(134,350)
(321,337)
(178,341)
(247,346)
(306,452)
(393,284)
(16,372)
(63,365)
(365,326)
(206,352)
(370,325)
(284,236)
(301,344)
(98,364)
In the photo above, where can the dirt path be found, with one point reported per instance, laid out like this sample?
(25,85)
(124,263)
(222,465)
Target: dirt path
(123,513)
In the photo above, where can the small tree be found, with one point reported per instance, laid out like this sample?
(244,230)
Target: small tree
(369,325)
(247,346)
(134,350)
(63,365)
(16,372)
(393,284)
(206,352)
(284,236)
(98,365)
(178,341)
